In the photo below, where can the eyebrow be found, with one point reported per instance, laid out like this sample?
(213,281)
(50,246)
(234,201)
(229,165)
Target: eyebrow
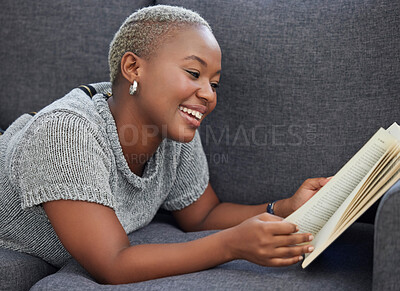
(196,58)
(200,60)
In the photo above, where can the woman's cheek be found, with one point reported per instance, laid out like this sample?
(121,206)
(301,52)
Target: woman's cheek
(187,87)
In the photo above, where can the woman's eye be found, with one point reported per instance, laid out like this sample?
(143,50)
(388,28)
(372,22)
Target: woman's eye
(215,86)
(194,74)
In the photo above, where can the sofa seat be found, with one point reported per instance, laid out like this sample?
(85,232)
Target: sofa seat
(345,265)
(304,85)
(20,271)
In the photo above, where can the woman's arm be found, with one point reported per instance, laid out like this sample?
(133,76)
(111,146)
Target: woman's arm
(209,213)
(94,236)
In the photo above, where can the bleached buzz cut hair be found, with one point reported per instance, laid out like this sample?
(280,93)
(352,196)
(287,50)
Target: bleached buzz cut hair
(145,30)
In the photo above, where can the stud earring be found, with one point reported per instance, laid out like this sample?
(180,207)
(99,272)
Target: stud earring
(133,88)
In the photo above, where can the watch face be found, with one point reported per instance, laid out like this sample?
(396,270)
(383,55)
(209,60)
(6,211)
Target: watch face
(270,207)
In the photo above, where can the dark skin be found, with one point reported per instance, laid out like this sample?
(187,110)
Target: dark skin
(184,71)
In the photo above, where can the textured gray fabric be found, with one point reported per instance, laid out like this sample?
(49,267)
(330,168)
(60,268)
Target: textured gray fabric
(386,242)
(304,85)
(351,254)
(19,271)
(50,47)
(71,150)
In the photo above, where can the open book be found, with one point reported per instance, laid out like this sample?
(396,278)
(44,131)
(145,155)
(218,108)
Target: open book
(358,184)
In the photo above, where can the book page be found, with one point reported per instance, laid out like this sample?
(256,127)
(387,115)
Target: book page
(381,172)
(373,179)
(328,231)
(324,244)
(381,181)
(386,186)
(313,215)
(394,130)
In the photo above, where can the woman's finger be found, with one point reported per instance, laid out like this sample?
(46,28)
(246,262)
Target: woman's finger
(288,252)
(315,183)
(292,239)
(280,227)
(283,262)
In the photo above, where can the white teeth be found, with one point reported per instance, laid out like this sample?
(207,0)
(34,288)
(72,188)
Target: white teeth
(195,113)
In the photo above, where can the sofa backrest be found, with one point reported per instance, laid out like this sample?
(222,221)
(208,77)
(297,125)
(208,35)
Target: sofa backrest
(49,47)
(304,83)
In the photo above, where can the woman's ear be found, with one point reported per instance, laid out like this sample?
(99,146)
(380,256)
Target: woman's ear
(130,66)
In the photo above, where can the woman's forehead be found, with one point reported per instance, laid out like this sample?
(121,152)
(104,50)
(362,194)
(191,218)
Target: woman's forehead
(190,43)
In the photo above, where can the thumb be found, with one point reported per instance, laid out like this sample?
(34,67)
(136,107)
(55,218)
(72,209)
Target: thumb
(315,183)
(325,181)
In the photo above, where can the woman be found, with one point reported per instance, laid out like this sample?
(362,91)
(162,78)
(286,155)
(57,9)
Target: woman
(84,172)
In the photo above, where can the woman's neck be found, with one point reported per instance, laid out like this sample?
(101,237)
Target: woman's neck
(137,140)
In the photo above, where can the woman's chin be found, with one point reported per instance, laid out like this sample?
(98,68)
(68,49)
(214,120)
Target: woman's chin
(183,136)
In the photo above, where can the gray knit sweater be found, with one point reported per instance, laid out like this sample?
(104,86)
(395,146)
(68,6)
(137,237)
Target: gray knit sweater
(70,150)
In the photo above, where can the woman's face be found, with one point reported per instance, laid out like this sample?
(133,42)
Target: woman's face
(177,87)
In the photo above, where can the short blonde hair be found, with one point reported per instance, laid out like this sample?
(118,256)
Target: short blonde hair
(143,31)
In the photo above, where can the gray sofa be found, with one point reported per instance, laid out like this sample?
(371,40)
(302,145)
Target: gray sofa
(304,85)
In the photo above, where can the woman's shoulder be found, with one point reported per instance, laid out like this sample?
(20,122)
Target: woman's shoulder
(75,103)
(73,110)
(74,117)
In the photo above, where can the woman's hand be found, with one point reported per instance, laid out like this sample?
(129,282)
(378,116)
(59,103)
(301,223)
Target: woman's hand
(285,207)
(267,240)
(307,190)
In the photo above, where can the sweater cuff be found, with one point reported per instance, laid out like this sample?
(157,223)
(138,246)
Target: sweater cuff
(87,193)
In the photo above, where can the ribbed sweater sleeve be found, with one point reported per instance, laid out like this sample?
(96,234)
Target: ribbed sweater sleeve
(191,176)
(62,156)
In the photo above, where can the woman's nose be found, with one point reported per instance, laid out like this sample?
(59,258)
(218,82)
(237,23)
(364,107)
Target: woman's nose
(207,93)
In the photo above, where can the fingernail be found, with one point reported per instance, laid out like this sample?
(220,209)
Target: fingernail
(297,228)
(310,249)
(300,258)
(310,238)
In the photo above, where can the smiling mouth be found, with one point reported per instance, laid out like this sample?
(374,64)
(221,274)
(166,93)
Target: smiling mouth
(194,113)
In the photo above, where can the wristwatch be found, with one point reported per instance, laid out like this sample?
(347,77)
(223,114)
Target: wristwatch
(270,207)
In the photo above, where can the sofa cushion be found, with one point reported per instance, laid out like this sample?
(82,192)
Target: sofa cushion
(386,241)
(50,47)
(19,271)
(350,254)
(304,85)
